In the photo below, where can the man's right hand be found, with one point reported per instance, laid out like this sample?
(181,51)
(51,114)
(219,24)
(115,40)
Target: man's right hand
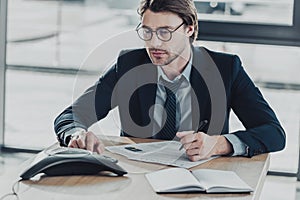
(86,140)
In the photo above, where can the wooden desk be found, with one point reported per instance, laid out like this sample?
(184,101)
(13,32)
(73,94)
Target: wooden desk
(134,185)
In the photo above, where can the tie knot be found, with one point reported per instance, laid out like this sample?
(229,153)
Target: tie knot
(171,87)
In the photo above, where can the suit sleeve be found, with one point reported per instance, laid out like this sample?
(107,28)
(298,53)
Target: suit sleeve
(263,131)
(93,105)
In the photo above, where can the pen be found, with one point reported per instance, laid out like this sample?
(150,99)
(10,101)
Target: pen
(202,124)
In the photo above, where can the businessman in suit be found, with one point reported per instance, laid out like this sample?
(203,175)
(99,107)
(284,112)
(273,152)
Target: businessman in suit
(172,89)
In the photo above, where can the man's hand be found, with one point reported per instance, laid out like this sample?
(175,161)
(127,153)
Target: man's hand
(202,146)
(87,140)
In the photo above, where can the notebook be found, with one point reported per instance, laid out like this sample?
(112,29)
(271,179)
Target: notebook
(180,180)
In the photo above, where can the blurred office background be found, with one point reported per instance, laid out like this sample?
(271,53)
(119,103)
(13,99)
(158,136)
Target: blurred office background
(48,40)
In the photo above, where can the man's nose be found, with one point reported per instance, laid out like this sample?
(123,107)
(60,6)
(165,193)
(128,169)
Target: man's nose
(155,41)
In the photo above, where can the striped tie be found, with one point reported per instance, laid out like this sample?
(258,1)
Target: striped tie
(170,129)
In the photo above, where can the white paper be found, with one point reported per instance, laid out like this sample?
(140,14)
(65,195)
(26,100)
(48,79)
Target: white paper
(166,153)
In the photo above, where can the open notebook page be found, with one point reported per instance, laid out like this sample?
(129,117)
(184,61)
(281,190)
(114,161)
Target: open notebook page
(221,181)
(173,180)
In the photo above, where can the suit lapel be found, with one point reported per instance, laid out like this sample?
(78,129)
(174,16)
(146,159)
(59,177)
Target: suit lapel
(207,82)
(199,96)
(147,92)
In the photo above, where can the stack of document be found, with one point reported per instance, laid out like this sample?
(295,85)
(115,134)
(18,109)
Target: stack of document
(166,153)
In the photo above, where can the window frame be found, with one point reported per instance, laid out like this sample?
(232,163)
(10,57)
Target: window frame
(3,27)
(253,33)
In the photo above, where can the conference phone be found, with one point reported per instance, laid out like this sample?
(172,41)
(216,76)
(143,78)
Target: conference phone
(63,161)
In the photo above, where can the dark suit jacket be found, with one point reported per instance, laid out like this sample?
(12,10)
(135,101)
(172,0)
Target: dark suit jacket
(219,83)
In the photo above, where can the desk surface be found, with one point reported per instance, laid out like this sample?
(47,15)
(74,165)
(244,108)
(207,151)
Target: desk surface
(135,186)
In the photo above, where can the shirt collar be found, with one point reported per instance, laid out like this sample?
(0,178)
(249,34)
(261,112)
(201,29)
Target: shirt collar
(186,72)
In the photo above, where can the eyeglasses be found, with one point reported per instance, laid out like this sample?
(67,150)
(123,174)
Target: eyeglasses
(163,34)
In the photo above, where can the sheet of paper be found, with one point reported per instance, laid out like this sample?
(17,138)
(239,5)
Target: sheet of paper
(166,153)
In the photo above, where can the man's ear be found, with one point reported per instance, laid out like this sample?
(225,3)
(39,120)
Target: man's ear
(190,30)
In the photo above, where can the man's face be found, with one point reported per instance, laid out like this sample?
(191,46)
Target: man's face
(160,52)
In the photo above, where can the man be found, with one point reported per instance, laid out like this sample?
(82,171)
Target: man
(176,91)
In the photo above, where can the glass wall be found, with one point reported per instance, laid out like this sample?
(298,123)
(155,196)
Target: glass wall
(47,42)
(46,36)
(62,33)
(278,12)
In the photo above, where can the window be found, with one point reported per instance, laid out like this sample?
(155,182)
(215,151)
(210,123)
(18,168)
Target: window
(60,34)
(46,43)
(247,11)
(48,40)
(262,25)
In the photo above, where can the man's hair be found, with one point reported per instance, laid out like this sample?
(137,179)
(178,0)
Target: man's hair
(185,9)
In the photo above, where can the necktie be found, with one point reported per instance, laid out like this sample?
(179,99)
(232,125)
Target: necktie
(170,128)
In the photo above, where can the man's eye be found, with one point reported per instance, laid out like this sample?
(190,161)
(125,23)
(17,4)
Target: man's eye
(163,32)
(146,31)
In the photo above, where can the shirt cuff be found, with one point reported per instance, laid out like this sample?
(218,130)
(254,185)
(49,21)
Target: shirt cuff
(67,135)
(239,148)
